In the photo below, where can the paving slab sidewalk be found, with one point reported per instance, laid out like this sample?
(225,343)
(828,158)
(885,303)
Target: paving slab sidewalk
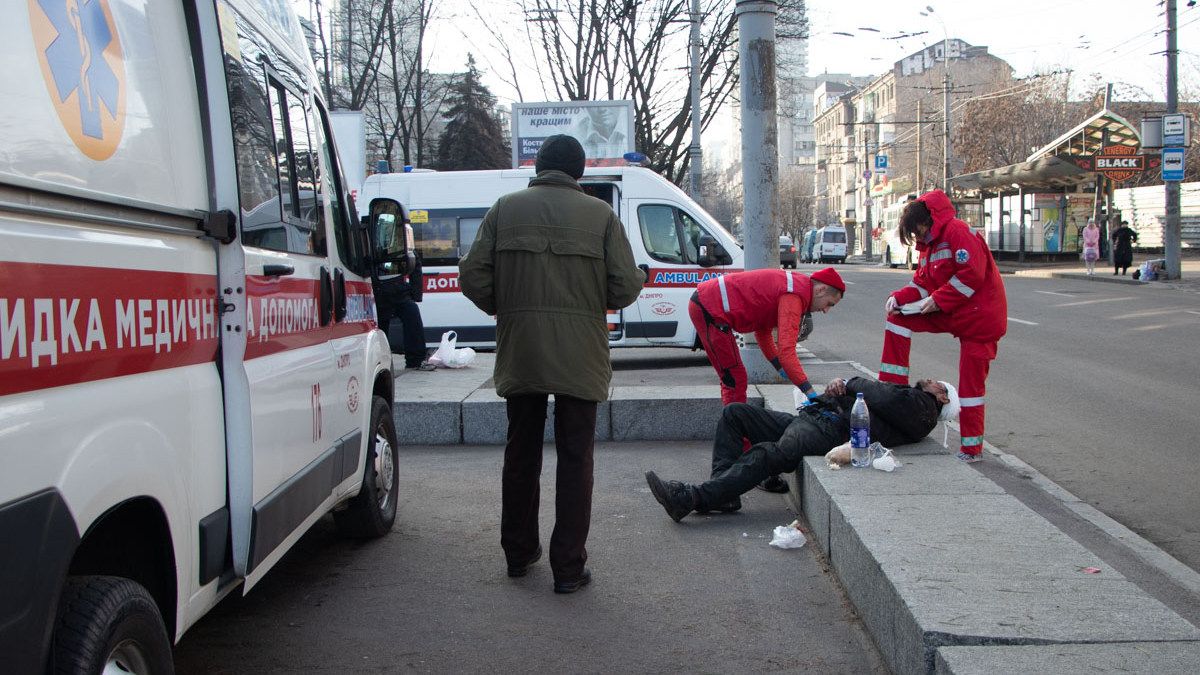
(937,558)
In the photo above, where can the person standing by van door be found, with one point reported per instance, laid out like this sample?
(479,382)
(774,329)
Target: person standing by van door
(548,263)
(759,302)
(396,296)
(961,293)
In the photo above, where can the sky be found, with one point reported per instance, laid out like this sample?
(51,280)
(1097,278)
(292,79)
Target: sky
(1118,39)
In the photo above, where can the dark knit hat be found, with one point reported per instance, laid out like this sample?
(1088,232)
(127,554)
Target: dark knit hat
(562,153)
(830,277)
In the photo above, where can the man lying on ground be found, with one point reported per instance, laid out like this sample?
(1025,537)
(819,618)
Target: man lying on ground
(900,414)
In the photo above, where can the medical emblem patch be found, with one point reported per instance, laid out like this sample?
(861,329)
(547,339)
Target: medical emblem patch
(961,256)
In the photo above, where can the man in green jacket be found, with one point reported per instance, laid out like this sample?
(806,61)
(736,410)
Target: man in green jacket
(549,262)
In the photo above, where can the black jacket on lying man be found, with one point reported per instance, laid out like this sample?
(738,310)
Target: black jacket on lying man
(900,414)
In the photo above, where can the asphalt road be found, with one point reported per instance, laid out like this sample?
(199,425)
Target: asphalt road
(1097,385)
(705,595)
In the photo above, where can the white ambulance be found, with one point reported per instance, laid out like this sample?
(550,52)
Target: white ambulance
(190,368)
(675,241)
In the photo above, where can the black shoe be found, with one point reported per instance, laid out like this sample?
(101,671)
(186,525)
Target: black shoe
(677,498)
(574,584)
(522,570)
(730,506)
(773,484)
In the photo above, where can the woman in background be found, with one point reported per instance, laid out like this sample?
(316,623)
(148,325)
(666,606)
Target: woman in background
(1091,246)
(1122,248)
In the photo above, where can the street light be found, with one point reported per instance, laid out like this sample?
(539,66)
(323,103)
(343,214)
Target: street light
(945,95)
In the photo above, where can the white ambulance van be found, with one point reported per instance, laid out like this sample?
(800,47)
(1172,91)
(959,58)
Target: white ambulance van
(190,369)
(675,241)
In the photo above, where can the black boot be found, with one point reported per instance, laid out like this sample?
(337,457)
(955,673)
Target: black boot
(773,484)
(679,499)
(730,506)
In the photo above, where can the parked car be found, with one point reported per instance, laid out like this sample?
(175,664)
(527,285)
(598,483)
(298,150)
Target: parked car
(787,252)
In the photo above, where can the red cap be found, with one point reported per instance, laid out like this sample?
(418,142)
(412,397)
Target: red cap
(830,277)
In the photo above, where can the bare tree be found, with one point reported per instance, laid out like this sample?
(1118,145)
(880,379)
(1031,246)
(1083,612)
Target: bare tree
(796,201)
(637,50)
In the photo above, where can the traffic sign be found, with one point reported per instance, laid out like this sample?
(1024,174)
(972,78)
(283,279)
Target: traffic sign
(881,164)
(1174,129)
(867,174)
(1172,163)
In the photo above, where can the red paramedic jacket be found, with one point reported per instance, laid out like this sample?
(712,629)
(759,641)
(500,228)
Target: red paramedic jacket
(957,269)
(759,301)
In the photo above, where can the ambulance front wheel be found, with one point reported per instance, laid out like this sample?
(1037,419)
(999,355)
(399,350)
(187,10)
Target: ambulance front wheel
(109,625)
(372,512)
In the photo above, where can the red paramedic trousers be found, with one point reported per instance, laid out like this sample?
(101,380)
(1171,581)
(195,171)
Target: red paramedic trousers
(974,359)
(721,347)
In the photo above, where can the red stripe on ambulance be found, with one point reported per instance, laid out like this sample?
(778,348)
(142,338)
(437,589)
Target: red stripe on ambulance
(282,314)
(442,282)
(66,324)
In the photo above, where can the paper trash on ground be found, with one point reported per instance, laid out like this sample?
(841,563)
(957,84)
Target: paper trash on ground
(788,536)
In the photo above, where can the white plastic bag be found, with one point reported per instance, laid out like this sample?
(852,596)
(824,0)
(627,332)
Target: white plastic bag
(447,356)
(788,536)
(883,460)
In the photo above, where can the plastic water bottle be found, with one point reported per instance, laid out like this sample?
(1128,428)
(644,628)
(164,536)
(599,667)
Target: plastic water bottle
(860,433)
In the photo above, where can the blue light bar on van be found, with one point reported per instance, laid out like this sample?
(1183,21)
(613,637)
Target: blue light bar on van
(408,168)
(634,157)
(382,166)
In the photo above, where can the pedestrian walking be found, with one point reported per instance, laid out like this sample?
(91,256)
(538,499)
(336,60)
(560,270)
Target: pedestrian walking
(1122,238)
(759,302)
(1091,247)
(397,293)
(957,290)
(548,263)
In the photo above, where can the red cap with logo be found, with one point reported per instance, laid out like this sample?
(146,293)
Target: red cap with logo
(829,277)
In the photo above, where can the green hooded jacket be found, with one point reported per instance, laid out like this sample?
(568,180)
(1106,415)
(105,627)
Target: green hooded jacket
(549,262)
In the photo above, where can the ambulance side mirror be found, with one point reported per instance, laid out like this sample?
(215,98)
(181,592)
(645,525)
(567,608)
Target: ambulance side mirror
(712,253)
(391,237)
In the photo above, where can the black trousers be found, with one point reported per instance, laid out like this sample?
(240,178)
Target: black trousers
(409,314)
(574,439)
(779,441)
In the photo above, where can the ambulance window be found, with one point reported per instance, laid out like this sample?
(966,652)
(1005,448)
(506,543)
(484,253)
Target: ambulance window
(468,229)
(303,213)
(282,145)
(351,241)
(436,239)
(691,236)
(659,233)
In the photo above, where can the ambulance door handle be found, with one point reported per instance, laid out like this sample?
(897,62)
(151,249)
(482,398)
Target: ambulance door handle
(325,298)
(274,270)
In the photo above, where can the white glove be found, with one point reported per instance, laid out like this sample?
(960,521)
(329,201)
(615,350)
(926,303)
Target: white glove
(889,305)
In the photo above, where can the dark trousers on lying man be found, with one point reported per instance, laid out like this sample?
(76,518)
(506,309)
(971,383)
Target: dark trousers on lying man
(778,442)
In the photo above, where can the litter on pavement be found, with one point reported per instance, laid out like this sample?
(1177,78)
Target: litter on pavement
(788,536)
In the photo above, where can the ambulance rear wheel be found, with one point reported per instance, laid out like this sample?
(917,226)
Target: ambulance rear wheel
(109,625)
(372,512)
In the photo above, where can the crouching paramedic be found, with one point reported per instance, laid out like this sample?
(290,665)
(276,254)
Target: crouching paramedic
(757,302)
(958,291)
(899,415)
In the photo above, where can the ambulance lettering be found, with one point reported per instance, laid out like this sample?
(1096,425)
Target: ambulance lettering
(67,324)
(676,278)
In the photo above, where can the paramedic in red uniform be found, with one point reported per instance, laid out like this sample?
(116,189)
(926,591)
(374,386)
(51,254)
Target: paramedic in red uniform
(960,293)
(757,302)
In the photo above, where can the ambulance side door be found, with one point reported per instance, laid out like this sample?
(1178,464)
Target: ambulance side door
(289,362)
(673,242)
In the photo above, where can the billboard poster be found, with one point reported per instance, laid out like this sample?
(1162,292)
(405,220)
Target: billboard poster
(604,128)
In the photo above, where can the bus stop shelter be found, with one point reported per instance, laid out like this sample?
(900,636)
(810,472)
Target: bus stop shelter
(1070,179)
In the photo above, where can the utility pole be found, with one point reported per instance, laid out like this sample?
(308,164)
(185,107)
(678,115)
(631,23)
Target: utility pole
(866,224)
(1171,230)
(760,155)
(946,115)
(695,157)
(920,123)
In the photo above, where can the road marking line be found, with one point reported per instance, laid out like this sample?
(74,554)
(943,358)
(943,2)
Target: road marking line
(1091,302)
(1061,295)
(1027,323)
(1190,311)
